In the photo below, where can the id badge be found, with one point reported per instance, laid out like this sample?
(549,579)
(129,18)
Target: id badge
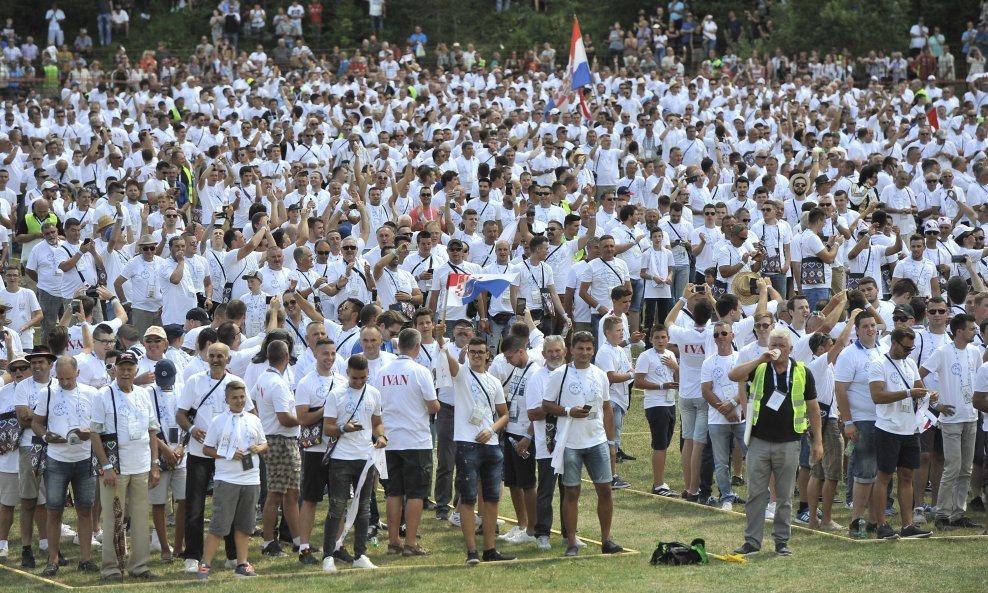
(906,405)
(150,291)
(775,402)
(134,429)
(247,462)
(968,396)
(513,414)
(671,395)
(477,416)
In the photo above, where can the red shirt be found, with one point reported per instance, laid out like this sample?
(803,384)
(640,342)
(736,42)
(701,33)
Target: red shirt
(315,13)
(420,216)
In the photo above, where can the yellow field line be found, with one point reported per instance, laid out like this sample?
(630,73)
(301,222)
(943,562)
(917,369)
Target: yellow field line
(35,577)
(843,538)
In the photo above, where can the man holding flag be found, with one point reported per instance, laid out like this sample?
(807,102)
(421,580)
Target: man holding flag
(457,265)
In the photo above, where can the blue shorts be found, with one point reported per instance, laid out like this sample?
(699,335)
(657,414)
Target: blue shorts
(863,466)
(478,463)
(596,458)
(637,294)
(59,474)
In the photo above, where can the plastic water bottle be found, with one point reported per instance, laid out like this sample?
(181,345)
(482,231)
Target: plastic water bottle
(849,449)
(374,542)
(514,443)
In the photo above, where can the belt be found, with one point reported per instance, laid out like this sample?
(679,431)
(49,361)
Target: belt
(445,406)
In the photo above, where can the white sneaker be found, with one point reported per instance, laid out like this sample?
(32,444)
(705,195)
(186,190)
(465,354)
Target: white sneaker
(543,543)
(478,520)
(98,535)
(4,554)
(770,511)
(919,517)
(191,566)
(510,535)
(580,543)
(361,562)
(727,505)
(523,538)
(329,564)
(500,522)
(75,540)
(67,531)
(155,543)
(454,519)
(231,564)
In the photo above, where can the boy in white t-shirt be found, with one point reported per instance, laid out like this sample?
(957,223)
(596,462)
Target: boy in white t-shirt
(235,440)
(614,360)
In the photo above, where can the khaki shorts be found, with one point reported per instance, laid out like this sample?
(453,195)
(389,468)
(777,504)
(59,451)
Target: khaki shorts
(284,464)
(9,495)
(830,467)
(173,481)
(29,486)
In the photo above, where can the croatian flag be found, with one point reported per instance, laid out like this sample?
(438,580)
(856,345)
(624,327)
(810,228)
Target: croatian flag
(932,119)
(576,77)
(463,288)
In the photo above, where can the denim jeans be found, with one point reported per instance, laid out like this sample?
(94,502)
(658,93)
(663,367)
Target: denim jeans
(59,474)
(815,295)
(721,436)
(548,483)
(104,28)
(479,467)
(680,278)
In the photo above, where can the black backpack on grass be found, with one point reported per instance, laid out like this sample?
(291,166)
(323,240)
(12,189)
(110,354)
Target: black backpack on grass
(679,554)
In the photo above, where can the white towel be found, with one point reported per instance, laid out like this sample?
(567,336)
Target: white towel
(562,432)
(233,436)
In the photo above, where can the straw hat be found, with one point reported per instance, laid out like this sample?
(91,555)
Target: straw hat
(742,287)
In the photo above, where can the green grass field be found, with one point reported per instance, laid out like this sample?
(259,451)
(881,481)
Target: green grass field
(820,562)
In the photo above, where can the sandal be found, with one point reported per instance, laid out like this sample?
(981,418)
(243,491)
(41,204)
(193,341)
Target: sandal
(415,550)
(394,549)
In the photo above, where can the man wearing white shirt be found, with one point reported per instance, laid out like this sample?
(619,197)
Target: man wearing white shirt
(42,267)
(603,274)
(176,278)
(957,366)
(124,410)
(858,411)
(919,269)
(579,395)
(900,202)
(604,162)
(63,420)
(275,402)
(202,399)
(480,412)
(776,237)
(898,393)
(408,398)
(352,414)
(734,256)
(725,409)
(678,232)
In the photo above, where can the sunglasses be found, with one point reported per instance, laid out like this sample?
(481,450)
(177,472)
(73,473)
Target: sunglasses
(322,253)
(745,220)
(721,334)
(171,215)
(767,209)
(455,249)
(148,248)
(709,213)
(291,303)
(901,319)
(19,369)
(936,311)
(349,248)
(153,340)
(763,325)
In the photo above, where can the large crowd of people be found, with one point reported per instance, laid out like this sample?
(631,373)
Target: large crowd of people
(234,299)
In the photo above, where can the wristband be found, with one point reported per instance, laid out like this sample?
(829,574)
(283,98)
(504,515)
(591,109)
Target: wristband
(849,423)
(909,393)
(107,467)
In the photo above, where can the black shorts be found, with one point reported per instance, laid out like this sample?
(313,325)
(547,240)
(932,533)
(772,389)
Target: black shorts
(518,472)
(315,476)
(661,423)
(896,450)
(927,441)
(409,473)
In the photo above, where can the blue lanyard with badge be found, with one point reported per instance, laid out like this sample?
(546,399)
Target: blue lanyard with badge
(775,401)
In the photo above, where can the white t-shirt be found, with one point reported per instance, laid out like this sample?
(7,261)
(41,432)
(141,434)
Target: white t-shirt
(30,394)
(852,367)
(137,420)
(207,397)
(650,364)
(714,371)
(69,410)
(311,392)
(603,276)
(896,375)
(612,358)
(342,404)
(273,394)
(232,432)
(692,344)
(534,393)
(476,396)
(957,370)
(581,387)
(531,279)
(405,387)
(23,304)
(513,383)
